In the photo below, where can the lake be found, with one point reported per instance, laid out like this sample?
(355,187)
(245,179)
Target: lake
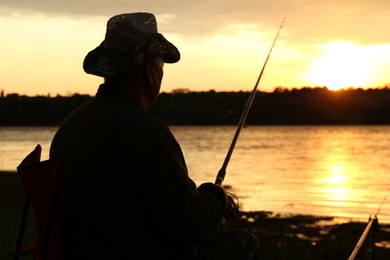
(339,171)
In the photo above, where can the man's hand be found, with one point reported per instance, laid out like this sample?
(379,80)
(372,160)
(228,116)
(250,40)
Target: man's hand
(232,208)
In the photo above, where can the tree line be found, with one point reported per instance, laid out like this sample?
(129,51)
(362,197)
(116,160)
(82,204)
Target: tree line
(314,106)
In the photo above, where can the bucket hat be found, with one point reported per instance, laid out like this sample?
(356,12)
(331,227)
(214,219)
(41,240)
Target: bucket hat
(129,39)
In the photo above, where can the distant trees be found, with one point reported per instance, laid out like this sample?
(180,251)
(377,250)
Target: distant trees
(200,108)
(283,106)
(39,110)
(183,107)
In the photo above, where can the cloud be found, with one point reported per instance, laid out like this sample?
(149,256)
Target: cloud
(307,20)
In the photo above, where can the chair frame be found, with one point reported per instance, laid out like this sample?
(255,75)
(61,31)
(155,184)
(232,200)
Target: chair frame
(46,205)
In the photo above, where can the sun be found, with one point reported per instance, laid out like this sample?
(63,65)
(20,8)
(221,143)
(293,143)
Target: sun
(342,66)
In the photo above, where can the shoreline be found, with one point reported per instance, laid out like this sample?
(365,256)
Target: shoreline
(282,236)
(311,237)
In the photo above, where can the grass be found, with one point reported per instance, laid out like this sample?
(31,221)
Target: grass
(11,206)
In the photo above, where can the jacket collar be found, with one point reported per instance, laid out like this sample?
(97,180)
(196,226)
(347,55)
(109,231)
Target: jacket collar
(114,92)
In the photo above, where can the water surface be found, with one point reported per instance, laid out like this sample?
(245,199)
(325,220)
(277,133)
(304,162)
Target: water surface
(338,171)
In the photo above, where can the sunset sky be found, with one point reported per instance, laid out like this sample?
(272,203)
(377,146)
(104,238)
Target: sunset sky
(223,43)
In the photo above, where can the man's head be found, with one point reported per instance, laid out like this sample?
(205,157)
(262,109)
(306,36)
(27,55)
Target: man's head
(130,40)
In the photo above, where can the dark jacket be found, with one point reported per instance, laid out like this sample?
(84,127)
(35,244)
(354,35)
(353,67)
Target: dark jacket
(126,190)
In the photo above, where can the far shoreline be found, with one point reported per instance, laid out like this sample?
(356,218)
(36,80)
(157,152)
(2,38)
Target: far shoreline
(8,172)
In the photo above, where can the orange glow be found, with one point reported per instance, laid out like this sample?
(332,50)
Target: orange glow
(43,51)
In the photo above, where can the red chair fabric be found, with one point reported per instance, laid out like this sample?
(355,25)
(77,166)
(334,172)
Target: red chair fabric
(41,181)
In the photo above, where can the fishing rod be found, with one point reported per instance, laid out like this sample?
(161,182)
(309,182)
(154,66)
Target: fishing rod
(222,172)
(372,223)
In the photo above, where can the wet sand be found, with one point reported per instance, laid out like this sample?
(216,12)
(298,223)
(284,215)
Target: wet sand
(312,237)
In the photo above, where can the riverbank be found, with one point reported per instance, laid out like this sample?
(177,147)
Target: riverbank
(281,236)
(311,237)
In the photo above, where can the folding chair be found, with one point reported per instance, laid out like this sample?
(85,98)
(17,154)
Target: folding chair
(41,181)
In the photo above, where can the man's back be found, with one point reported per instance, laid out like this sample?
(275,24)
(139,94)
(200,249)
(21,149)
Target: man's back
(115,176)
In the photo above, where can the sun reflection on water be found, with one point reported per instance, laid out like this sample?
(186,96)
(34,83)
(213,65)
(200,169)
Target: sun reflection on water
(338,174)
(336,186)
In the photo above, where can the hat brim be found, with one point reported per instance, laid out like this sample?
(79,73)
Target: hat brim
(107,63)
